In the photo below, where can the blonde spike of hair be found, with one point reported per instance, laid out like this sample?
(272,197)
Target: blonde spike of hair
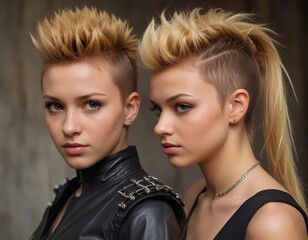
(86,32)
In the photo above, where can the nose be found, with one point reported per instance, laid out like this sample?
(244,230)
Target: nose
(71,125)
(164,125)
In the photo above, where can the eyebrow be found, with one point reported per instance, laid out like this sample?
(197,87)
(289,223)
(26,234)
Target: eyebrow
(172,98)
(80,97)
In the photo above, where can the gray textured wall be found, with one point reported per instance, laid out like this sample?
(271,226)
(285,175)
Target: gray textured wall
(29,163)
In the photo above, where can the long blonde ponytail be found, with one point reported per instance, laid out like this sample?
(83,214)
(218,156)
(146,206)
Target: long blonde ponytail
(279,142)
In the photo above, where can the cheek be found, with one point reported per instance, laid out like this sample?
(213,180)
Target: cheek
(105,124)
(51,125)
(214,137)
(54,129)
(207,127)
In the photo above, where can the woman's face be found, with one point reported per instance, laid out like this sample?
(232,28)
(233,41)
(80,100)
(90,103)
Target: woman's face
(192,124)
(84,112)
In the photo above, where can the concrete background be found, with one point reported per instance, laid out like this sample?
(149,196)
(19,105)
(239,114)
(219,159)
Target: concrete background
(30,165)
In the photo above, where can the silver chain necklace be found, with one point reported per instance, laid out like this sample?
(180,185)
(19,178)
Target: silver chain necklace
(238,181)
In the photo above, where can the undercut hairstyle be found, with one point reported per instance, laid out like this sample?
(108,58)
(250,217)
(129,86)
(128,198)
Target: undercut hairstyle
(231,51)
(88,34)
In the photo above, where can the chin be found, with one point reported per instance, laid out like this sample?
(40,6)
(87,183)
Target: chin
(179,163)
(77,165)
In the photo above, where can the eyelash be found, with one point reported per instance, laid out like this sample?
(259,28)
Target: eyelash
(54,107)
(177,108)
(156,109)
(97,104)
(186,106)
(51,105)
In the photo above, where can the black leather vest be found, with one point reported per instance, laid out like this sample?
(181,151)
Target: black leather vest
(118,201)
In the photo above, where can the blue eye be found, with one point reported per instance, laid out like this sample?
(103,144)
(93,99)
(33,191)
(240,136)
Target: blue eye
(182,107)
(156,109)
(92,105)
(54,107)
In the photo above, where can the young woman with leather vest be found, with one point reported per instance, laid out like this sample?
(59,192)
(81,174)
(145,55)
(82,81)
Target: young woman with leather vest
(89,84)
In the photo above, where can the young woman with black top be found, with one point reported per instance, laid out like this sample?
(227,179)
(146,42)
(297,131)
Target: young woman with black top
(209,71)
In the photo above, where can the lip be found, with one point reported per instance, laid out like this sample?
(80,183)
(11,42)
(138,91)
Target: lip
(170,148)
(74,148)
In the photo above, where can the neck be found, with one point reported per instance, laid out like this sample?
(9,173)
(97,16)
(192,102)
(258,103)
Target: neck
(108,168)
(226,168)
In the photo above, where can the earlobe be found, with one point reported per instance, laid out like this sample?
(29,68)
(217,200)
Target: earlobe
(132,105)
(238,102)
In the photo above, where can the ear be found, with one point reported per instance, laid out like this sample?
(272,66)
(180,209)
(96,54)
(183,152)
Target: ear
(132,104)
(238,103)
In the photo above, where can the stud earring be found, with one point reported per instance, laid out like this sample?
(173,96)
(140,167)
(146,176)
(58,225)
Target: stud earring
(130,121)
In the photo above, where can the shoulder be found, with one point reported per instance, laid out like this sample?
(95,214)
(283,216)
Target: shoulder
(192,193)
(157,211)
(277,220)
(148,195)
(151,208)
(151,220)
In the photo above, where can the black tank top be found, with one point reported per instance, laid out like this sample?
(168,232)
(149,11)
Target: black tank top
(236,226)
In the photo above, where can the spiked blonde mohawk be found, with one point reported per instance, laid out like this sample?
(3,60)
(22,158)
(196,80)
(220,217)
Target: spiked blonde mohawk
(76,35)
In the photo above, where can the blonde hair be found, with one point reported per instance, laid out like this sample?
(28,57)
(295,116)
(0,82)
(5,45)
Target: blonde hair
(85,34)
(231,52)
